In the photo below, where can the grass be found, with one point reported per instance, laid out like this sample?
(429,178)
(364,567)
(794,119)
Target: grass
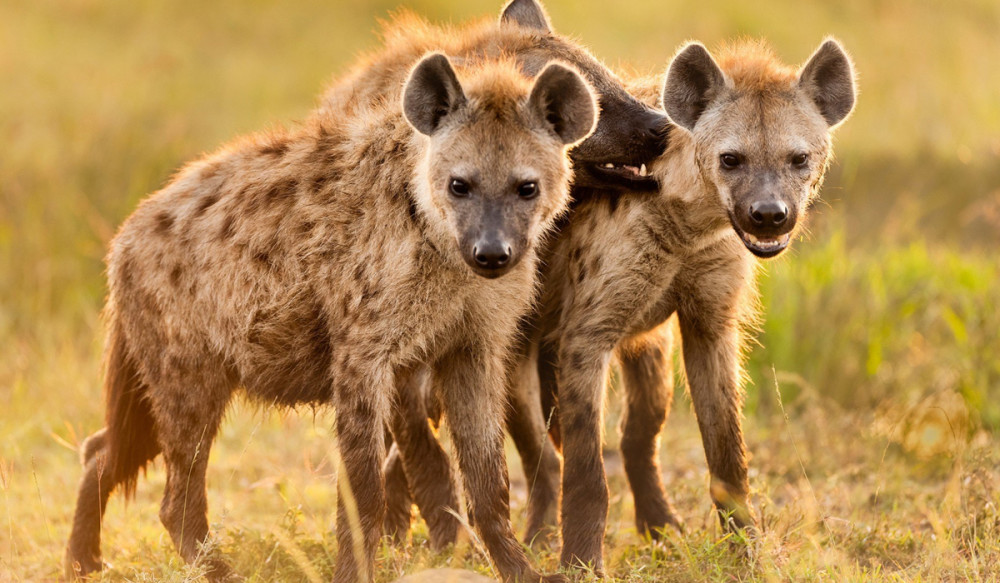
(874,411)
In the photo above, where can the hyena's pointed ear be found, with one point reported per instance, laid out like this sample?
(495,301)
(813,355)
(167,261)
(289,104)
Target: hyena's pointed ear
(526,14)
(431,93)
(828,79)
(693,81)
(565,101)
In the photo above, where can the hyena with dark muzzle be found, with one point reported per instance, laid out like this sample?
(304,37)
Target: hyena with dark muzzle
(740,173)
(327,264)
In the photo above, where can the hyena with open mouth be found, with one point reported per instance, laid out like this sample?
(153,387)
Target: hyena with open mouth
(747,160)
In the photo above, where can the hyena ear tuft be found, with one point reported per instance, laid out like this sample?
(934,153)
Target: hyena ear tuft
(431,93)
(828,79)
(565,101)
(693,81)
(526,14)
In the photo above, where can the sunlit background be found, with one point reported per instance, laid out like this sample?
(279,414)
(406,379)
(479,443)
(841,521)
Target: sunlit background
(881,331)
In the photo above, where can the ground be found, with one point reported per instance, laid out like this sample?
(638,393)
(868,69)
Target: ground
(839,499)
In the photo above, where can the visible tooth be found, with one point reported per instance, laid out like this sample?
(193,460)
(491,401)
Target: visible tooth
(609,165)
(642,170)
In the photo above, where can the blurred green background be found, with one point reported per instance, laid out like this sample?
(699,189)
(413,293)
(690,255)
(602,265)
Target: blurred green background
(881,324)
(891,298)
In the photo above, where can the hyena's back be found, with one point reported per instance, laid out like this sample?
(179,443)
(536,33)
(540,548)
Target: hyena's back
(214,279)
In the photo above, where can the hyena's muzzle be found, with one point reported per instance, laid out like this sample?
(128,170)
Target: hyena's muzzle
(494,236)
(765,212)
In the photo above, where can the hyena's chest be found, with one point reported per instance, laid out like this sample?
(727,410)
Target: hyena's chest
(379,308)
(660,301)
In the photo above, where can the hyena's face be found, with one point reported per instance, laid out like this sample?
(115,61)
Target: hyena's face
(761,133)
(629,134)
(496,172)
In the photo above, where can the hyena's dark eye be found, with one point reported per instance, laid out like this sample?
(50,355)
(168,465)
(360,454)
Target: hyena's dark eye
(729,160)
(528,190)
(459,187)
(800,160)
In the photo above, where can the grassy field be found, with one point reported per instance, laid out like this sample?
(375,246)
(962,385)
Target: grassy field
(874,413)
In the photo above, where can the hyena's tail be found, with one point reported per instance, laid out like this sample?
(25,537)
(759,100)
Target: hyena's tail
(113,456)
(131,431)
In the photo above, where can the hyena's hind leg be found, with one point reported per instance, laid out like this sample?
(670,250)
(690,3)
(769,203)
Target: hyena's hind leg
(648,379)
(112,457)
(187,416)
(83,555)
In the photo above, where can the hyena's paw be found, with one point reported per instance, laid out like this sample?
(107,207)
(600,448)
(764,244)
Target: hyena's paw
(81,568)
(652,519)
(733,506)
(217,570)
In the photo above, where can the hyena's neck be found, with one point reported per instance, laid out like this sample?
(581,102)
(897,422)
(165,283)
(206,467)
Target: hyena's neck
(689,211)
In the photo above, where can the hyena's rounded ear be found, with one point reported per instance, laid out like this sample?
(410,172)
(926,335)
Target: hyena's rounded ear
(565,101)
(828,79)
(431,93)
(526,14)
(693,81)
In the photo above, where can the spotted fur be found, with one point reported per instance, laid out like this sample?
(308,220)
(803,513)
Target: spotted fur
(323,264)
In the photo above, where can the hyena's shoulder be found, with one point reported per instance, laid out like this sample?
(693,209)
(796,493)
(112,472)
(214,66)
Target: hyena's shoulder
(259,188)
(265,210)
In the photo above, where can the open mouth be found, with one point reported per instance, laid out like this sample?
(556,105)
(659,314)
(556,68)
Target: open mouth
(624,170)
(625,175)
(764,247)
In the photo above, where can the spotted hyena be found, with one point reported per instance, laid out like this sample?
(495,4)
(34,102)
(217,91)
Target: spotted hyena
(744,164)
(629,135)
(325,264)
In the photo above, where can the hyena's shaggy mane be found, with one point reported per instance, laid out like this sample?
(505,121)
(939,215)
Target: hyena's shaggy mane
(406,36)
(753,66)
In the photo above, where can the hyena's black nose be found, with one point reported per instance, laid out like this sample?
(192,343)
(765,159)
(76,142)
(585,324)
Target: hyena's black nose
(768,213)
(657,132)
(491,254)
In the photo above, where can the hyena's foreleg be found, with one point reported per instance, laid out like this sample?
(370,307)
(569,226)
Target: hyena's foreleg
(528,427)
(647,376)
(473,399)
(425,463)
(361,414)
(710,336)
(582,374)
(592,326)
